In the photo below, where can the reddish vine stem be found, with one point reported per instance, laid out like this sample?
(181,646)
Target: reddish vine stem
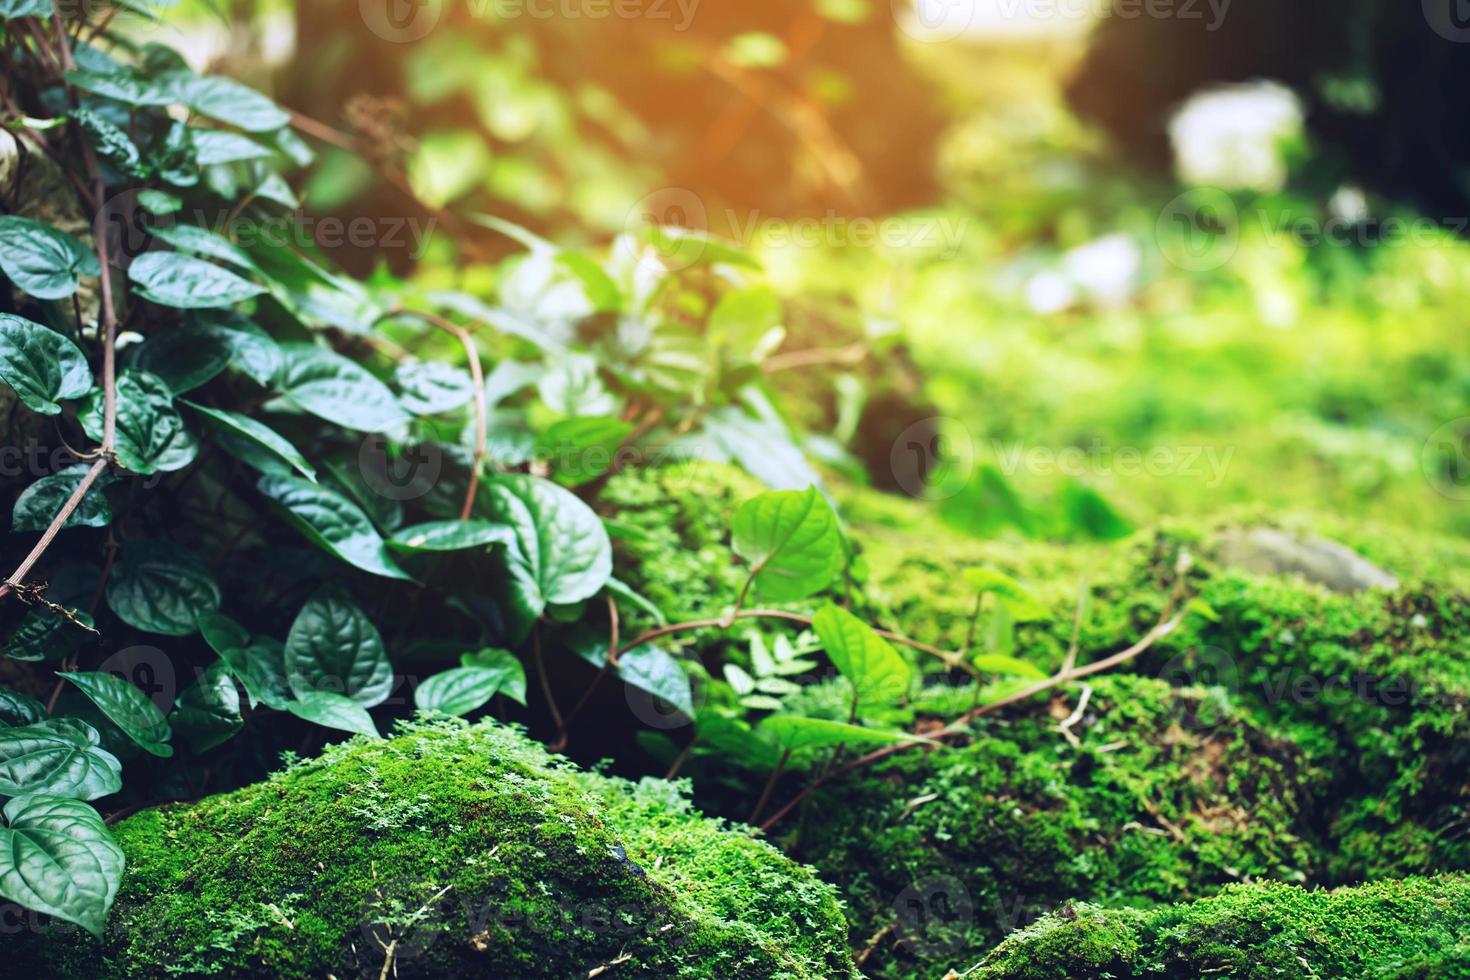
(477,373)
(608,664)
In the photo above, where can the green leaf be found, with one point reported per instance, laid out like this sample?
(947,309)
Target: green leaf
(46,635)
(331,387)
(573,387)
(796,732)
(147,423)
(208,713)
(791,540)
(159,202)
(232,103)
(429,387)
(257,434)
(18,710)
(110,143)
(42,260)
(254,353)
(1022,605)
(332,522)
(60,756)
(212,146)
(334,647)
(877,671)
(504,663)
(653,669)
(186,283)
(259,664)
(126,707)
(334,711)
(450,536)
(39,503)
(582,449)
(997,663)
(1087,512)
(202,242)
(559,542)
(747,321)
(41,365)
(159,587)
(57,857)
(446,165)
(184,357)
(458,691)
(127,87)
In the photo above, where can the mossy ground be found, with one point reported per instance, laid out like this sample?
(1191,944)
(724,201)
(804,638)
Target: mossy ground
(456,851)
(1412,929)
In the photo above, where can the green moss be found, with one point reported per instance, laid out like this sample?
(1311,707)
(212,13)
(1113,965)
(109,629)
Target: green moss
(1414,928)
(1167,795)
(468,851)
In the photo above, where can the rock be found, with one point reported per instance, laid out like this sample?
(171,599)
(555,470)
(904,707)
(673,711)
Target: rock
(449,851)
(1269,551)
(1414,927)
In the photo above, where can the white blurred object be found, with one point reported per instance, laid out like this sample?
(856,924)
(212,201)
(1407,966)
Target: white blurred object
(1050,292)
(1349,204)
(1233,136)
(1105,269)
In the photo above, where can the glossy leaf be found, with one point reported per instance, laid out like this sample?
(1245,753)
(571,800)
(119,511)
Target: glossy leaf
(160,587)
(257,434)
(39,503)
(259,663)
(60,756)
(230,102)
(147,423)
(329,386)
(791,540)
(559,542)
(654,669)
(334,711)
(459,691)
(186,283)
(17,709)
(450,536)
(41,365)
(57,857)
(127,707)
(429,387)
(332,522)
(504,663)
(334,647)
(41,260)
(208,713)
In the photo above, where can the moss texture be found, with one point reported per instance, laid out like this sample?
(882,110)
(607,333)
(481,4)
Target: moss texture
(454,851)
(1415,928)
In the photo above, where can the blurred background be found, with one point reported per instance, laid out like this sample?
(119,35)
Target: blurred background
(1073,265)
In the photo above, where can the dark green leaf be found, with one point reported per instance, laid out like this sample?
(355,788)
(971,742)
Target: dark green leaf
(232,103)
(126,707)
(504,663)
(259,435)
(159,587)
(450,536)
(205,243)
(582,449)
(57,857)
(331,387)
(186,283)
(258,663)
(18,709)
(208,713)
(653,669)
(46,635)
(332,522)
(39,503)
(40,364)
(559,542)
(147,423)
(429,387)
(460,690)
(334,711)
(334,647)
(877,672)
(42,260)
(185,357)
(60,756)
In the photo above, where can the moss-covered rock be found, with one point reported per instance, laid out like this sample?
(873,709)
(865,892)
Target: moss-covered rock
(450,850)
(1413,928)
(1166,795)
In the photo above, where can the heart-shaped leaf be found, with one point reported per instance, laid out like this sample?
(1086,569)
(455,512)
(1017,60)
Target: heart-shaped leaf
(41,365)
(126,707)
(582,449)
(57,857)
(42,260)
(186,283)
(332,522)
(331,387)
(45,634)
(148,426)
(61,756)
(429,387)
(39,503)
(184,357)
(653,669)
(208,713)
(334,647)
(559,542)
(334,711)
(877,672)
(259,663)
(257,434)
(450,536)
(160,587)
(792,541)
(17,709)
(460,690)
(504,663)
(232,103)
